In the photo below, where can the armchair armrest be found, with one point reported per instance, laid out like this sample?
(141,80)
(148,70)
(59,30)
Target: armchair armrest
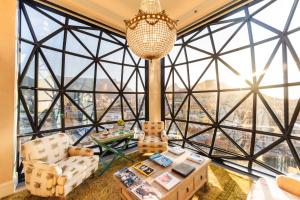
(80,151)
(164,136)
(41,177)
(141,136)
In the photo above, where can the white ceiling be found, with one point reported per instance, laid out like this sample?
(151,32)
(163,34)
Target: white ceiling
(113,12)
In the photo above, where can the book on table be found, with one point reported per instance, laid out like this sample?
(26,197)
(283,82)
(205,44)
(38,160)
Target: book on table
(167,180)
(127,177)
(196,158)
(145,191)
(143,168)
(176,150)
(183,169)
(161,159)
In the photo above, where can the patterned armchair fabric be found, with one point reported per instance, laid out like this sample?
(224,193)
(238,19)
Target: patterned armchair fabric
(53,168)
(153,139)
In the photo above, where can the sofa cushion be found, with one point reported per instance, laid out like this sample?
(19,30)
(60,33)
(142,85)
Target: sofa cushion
(152,141)
(49,149)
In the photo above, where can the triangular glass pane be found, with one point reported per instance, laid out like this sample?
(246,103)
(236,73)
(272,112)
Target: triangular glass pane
(169,99)
(264,121)
(127,113)
(178,84)
(263,141)
(229,99)
(196,69)
(262,55)
(25,52)
(178,100)
(52,14)
(46,99)
(140,86)
(174,132)
(174,52)
(294,95)
(240,39)
(229,79)
(53,120)
(241,116)
(56,41)
(182,111)
(274,74)
(201,33)
(103,101)
(142,63)
(114,72)
(182,71)
(167,109)
(115,57)
(135,57)
(108,47)
(181,57)
(293,69)
(54,59)
(167,74)
(242,138)
(43,26)
(203,138)
(73,116)
(295,21)
(24,124)
(196,114)
(276,14)
(74,46)
(260,33)
(25,32)
(235,15)
(167,125)
(275,99)
(45,79)
(131,85)
(120,39)
(262,169)
(114,113)
(131,99)
(209,102)
(28,79)
(296,144)
(295,40)
(142,105)
(89,41)
(280,158)
(193,54)
(85,81)
(221,37)
(167,60)
(96,33)
(203,43)
(128,60)
(76,23)
(219,25)
(254,6)
(241,62)
(142,74)
(222,142)
(74,65)
(127,71)
(106,36)
(103,83)
(29,98)
(85,101)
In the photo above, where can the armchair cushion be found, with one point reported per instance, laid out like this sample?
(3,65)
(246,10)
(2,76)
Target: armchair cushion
(41,177)
(80,151)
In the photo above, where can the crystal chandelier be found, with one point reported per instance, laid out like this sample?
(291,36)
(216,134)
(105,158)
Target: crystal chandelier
(151,34)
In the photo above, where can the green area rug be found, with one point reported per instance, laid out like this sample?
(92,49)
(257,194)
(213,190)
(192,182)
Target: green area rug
(223,184)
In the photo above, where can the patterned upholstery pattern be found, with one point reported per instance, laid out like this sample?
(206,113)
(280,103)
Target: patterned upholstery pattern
(153,139)
(53,168)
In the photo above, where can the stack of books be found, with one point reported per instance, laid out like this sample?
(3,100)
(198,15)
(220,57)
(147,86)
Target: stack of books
(176,150)
(128,178)
(183,169)
(161,160)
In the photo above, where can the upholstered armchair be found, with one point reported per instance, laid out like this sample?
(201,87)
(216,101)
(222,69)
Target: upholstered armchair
(153,138)
(54,168)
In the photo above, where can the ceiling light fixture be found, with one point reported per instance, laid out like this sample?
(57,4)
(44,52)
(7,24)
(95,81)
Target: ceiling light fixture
(151,34)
